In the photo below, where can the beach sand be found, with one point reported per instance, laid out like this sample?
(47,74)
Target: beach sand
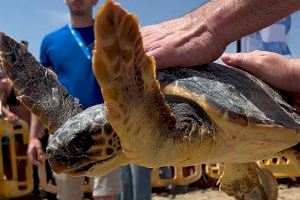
(285,193)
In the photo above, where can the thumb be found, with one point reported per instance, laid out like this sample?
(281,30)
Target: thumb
(241,60)
(32,154)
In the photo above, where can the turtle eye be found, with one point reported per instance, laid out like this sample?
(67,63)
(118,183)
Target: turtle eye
(81,143)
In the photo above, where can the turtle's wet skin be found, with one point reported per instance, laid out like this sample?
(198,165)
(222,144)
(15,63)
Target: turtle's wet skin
(175,116)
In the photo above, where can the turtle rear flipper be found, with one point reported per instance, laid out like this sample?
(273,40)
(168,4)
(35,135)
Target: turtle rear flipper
(248,181)
(126,74)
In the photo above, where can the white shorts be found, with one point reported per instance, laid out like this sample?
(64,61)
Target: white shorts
(70,188)
(110,184)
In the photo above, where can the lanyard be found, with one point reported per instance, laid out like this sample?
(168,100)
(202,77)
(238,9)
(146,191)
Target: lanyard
(76,35)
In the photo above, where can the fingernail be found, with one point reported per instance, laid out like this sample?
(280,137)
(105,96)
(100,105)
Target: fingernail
(225,58)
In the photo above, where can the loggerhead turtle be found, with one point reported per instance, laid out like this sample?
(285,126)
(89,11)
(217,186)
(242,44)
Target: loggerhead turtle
(213,113)
(188,115)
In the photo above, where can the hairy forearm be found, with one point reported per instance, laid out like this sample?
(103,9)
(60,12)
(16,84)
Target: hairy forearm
(295,77)
(232,19)
(202,35)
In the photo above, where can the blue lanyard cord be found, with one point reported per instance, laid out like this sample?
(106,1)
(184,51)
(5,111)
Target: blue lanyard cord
(76,35)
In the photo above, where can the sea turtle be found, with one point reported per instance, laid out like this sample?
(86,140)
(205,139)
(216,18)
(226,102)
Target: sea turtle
(211,113)
(185,116)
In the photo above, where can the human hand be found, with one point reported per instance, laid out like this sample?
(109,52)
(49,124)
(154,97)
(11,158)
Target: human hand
(35,151)
(11,117)
(273,68)
(180,43)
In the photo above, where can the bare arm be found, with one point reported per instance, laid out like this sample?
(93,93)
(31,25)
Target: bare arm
(10,116)
(35,151)
(201,36)
(232,19)
(36,127)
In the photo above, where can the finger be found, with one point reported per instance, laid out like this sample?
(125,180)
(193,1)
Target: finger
(14,119)
(32,154)
(7,119)
(244,61)
(41,156)
(160,57)
(236,59)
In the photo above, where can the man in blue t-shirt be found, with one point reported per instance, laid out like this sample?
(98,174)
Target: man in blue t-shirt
(72,64)
(67,51)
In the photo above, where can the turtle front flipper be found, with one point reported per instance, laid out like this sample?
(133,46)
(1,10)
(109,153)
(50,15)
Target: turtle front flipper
(36,86)
(248,181)
(126,74)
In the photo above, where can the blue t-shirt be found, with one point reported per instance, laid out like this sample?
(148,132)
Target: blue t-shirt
(60,51)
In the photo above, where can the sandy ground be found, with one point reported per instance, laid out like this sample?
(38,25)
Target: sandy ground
(284,193)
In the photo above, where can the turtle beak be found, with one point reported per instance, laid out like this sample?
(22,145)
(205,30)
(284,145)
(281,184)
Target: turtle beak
(57,162)
(69,153)
(62,163)
(54,165)
(65,156)
(85,147)
(59,166)
(81,165)
(52,154)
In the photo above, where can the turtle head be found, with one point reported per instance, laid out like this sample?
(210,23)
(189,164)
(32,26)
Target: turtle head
(86,145)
